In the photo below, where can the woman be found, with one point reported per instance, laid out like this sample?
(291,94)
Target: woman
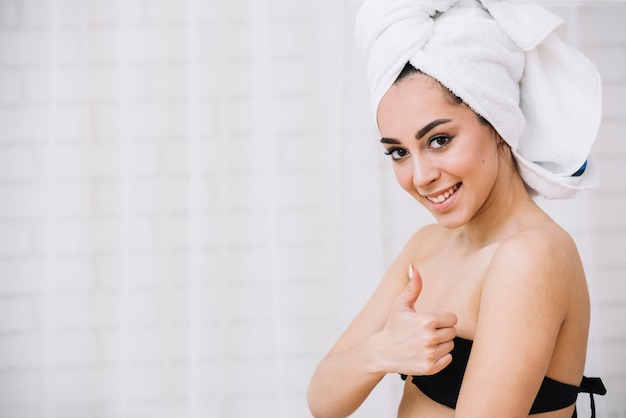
(486,313)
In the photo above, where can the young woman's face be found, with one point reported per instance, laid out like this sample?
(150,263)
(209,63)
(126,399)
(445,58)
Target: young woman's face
(442,154)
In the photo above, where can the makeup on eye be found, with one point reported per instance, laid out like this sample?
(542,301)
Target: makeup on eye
(439,141)
(420,133)
(436,142)
(396,153)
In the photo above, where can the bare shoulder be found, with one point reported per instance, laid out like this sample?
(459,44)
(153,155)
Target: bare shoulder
(546,248)
(428,240)
(539,264)
(532,320)
(427,232)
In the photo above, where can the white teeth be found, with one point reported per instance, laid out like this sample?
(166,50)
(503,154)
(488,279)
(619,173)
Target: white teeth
(442,197)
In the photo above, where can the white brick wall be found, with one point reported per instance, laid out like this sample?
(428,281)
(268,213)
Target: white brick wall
(113,304)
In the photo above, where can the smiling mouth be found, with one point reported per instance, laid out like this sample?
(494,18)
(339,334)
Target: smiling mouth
(444,196)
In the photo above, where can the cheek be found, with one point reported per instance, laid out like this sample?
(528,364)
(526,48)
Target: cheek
(489,161)
(481,158)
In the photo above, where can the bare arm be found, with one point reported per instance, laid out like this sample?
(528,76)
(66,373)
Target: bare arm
(387,336)
(524,303)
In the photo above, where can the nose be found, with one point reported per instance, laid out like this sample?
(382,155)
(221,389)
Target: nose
(424,171)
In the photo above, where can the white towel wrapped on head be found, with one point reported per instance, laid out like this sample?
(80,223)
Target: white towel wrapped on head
(508,64)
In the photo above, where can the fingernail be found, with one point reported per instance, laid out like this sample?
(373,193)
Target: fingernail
(410,271)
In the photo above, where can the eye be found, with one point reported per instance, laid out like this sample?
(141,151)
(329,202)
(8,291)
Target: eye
(439,141)
(396,153)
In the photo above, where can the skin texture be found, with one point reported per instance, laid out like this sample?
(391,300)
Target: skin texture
(495,269)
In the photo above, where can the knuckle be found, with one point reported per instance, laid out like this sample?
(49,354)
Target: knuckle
(428,321)
(430,355)
(429,342)
(431,369)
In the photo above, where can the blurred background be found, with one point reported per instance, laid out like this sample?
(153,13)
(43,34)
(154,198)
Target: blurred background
(194,204)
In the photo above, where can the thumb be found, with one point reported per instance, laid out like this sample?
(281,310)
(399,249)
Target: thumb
(412,290)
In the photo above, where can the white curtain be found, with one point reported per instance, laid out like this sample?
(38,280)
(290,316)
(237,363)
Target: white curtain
(193,206)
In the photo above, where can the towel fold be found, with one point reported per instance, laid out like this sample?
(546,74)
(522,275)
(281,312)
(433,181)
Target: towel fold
(506,61)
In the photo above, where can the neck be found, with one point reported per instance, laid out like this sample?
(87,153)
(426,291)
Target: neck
(502,214)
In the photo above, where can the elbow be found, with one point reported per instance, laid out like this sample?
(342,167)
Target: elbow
(320,407)
(314,404)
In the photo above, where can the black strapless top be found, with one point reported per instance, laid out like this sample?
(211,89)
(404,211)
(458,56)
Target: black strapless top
(444,387)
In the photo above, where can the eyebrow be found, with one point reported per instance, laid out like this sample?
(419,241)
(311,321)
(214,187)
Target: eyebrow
(420,134)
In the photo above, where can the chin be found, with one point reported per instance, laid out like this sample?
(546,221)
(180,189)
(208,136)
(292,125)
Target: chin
(450,222)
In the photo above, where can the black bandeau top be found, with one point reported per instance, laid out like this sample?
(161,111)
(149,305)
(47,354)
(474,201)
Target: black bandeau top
(444,387)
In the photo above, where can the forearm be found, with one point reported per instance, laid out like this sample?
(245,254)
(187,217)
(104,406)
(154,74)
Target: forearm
(343,380)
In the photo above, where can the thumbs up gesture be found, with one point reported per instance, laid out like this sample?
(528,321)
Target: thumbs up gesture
(417,343)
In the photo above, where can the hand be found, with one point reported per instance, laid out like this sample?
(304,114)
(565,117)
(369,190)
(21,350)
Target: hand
(417,343)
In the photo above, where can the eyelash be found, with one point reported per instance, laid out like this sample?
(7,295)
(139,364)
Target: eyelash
(435,139)
(392,151)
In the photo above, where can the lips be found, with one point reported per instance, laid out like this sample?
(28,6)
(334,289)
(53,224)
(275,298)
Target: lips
(443,196)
